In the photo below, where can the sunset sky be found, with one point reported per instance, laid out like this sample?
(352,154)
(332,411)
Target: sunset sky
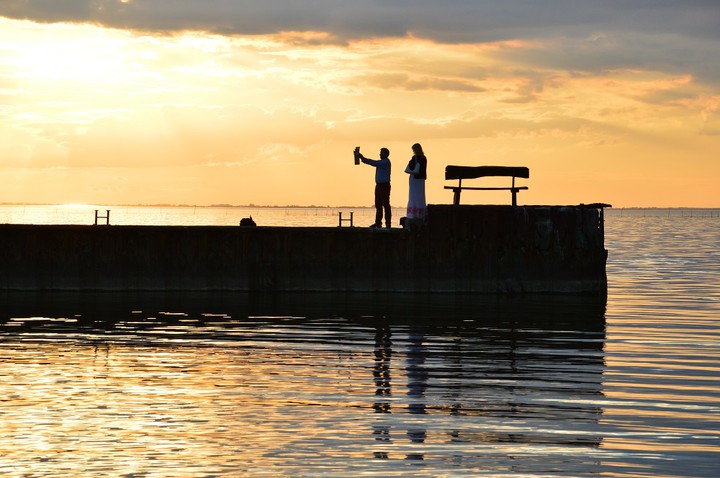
(240,101)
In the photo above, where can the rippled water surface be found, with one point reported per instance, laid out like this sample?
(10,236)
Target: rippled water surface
(378,385)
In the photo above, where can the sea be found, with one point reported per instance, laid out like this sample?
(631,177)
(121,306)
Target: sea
(215,385)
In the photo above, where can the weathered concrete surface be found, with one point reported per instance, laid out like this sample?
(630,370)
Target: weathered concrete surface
(476,249)
(545,249)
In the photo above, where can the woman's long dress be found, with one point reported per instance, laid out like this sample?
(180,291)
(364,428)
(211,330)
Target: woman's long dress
(416,199)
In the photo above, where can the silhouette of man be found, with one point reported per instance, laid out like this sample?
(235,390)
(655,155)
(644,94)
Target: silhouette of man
(382,186)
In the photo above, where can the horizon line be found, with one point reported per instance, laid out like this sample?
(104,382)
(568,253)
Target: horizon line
(298,206)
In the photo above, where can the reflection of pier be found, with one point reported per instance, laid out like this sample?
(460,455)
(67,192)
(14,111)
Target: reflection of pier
(517,380)
(462,379)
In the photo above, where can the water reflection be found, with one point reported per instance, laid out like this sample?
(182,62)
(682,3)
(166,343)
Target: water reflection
(321,384)
(383,389)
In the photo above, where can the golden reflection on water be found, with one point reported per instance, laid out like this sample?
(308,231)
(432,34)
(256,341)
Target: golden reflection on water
(187,215)
(506,388)
(109,407)
(662,381)
(282,395)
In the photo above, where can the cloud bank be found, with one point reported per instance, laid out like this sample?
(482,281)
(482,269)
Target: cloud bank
(446,21)
(663,35)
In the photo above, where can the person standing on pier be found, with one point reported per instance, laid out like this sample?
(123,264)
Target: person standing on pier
(382,186)
(417,169)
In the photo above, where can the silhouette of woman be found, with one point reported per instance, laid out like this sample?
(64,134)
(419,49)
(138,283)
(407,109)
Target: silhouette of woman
(417,169)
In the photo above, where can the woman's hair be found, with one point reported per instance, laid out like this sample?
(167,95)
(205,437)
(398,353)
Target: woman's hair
(417,149)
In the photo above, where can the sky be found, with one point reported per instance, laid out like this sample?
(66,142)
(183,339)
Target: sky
(246,102)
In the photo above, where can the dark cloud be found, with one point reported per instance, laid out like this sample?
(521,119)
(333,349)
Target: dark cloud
(446,21)
(576,35)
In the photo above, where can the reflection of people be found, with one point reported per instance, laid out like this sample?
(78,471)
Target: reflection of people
(382,186)
(381,370)
(383,391)
(417,169)
(417,384)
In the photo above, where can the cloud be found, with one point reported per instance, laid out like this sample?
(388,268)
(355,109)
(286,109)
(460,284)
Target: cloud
(241,90)
(446,21)
(404,81)
(582,35)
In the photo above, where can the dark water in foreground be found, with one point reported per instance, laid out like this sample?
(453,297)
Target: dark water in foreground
(219,385)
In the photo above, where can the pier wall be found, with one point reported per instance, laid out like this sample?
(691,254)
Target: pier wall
(466,249)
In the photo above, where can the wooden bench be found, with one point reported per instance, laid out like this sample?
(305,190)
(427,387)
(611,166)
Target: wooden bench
(472,172)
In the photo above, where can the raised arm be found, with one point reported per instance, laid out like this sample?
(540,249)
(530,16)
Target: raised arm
(371,162)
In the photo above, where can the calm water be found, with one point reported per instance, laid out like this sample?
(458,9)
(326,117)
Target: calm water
(376,385)
(189,216)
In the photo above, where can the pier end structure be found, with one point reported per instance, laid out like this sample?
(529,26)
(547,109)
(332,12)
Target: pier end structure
(459,249)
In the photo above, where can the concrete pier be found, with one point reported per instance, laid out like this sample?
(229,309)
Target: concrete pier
(460,249)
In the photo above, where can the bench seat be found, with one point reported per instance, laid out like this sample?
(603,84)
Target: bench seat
(473,172)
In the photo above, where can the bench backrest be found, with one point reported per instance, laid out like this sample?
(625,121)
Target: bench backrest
(472,172)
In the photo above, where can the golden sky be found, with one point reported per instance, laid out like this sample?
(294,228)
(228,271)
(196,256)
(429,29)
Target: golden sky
(159,101)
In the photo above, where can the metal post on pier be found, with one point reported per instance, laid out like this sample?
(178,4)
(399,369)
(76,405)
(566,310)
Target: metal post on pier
(106,217)
(341,219)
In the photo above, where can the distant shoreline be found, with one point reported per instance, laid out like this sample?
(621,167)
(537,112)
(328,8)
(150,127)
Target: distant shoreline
(312,206)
